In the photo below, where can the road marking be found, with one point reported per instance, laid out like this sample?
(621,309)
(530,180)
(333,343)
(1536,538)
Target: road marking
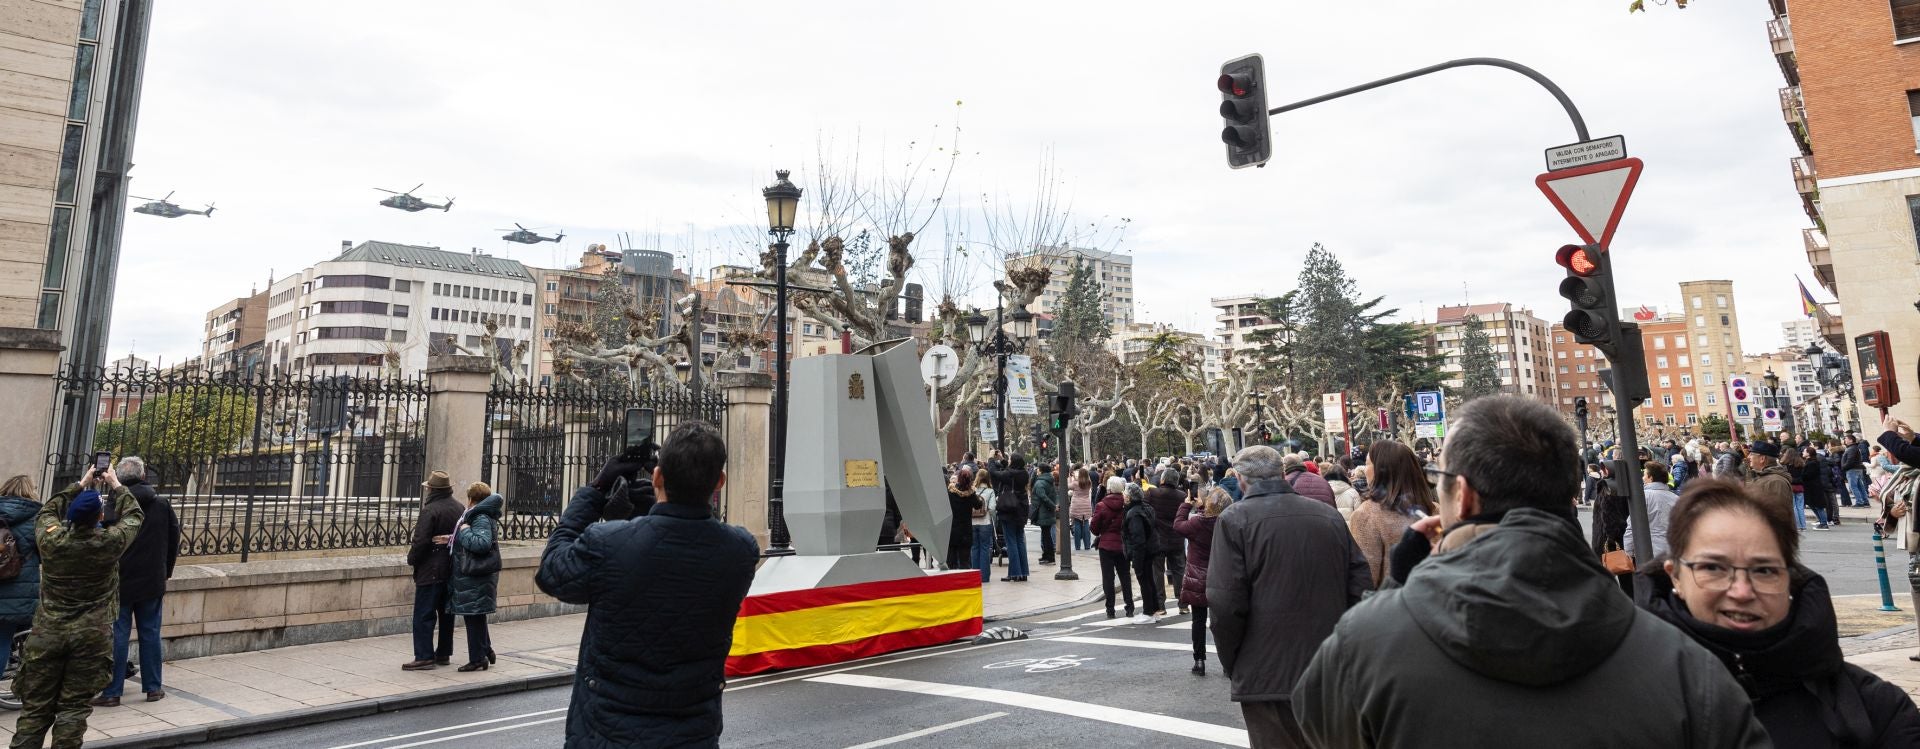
(1001,698)
(889,660)
(1074,618)
(1148,644)
(929,731)
(451,728)
(477,733)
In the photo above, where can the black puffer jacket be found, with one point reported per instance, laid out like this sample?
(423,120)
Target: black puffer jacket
(662,592)
(1533,645)
(148,563)
(1165,500)
(1803,690)
(1139,531)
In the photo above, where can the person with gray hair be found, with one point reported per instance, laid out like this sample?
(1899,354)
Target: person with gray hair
(1511,631)
(1283,570)
(144,570)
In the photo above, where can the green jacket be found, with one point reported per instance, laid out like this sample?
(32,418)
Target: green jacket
(1044,503)
(80,566)
(476,594)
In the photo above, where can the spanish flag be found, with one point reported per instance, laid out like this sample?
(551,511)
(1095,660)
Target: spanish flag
(1807,305)
(797,628)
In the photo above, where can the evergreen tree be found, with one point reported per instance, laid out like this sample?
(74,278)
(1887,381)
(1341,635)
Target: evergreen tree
(1080,317)
(1479,374)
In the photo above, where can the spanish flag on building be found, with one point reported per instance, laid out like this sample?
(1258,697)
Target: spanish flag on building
(1807,305)
(797,628)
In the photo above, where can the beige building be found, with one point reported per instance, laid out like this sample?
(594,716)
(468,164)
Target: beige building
(1713,327)
(1239,317)
(1113,270)
(1129,343)
(1522,347)
(235,335)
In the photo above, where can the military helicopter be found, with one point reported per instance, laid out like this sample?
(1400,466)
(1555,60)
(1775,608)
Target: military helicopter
(165,209)
(407,202)
(525,236)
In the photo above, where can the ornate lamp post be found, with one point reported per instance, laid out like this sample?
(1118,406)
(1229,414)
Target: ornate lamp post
(783,203)
(993,340)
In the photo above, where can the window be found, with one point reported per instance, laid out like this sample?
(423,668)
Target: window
(552,308)
(553,286)
(1679,341)
(1582,368)
(397,336)
(1693,418)
(526,322)
(1699,321)
(1701,340)
(1906,20)
(1563,370)
(436,290)
(403,286)
(1559,339)
(1671,421)
(1696,302)
(1729,358)
(1725,321)
(370,308)
(1913,209)
(400,310)
(353,282)
(1685,361)
(526,300)
(1713,399)
(1726,339)
(354,332)
(1660,362)
(1686,399)
(1667,400)
(1659,343)
(1686,381)
(1666,381)
(1652,420)
(1720,301)
(1560,354)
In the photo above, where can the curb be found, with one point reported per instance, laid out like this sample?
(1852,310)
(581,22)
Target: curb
(238,727)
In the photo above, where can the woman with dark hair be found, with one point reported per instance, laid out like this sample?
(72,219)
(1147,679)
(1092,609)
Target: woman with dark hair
(1817,495)
(961,503)
(1397,494)
(1796,466)
(1734,584)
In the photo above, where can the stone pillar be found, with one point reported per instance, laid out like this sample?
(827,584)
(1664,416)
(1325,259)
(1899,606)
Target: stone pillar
(28,360)
(456,416)
(749,420)
(502,468)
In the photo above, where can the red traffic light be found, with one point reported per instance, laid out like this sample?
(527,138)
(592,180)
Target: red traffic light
(1580,260)
(1236,84)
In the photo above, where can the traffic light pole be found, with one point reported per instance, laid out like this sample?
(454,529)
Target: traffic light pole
(1630,453)
(1573,113)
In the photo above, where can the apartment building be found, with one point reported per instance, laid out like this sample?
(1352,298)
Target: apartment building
(236,335)
(1713,321)
(1130,344)
(1852,103)
(1239,319)
(1521,349)
(1113,270)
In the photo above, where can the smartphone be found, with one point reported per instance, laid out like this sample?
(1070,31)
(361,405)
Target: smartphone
(102,460)
(639,426)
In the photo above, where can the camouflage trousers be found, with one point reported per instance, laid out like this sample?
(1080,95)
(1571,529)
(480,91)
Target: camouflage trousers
(59,673)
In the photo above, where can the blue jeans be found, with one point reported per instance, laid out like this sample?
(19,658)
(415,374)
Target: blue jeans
(983,552)
(1082,535)
(147,616)
(430,608)
(1800,510)
(1857,484)
(1016,539)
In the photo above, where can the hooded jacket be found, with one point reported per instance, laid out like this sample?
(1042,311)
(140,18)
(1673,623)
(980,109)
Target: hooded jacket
(1139,531)
(1774,484)
(1044,504)
(1516,639)
(1107,516)
(1310,485)
(1197,529)
(477,536)
(1803,690)
(19,596)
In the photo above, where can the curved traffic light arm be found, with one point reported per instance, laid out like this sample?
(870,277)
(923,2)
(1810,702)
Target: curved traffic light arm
(1573,113)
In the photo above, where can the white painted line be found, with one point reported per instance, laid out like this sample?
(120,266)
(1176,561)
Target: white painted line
(889,659)
(451,728)
(1001,698)
(929,731)
(1115,641)
(1181,625)
(476,733)
(1074,618)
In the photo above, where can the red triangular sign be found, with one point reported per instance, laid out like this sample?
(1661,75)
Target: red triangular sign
(1592,197)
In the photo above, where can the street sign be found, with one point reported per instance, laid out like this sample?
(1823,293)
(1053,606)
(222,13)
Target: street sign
(1610,148)
(1592,197)
(989,425)
(1770,420)
(1877,384)
(1429,414)
(939,365)
(1742,412)
(1333,411)
(1020,388)
(1737,390)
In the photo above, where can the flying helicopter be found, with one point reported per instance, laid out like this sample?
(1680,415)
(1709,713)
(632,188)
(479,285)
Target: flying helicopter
(165,209)
(526,236)
(407,202)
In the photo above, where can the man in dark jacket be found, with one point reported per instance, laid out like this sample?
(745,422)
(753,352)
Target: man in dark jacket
(1853,467)
(1170,551)
(1283,570)
(662,591)
(432,569)
(1045,509)
(144,571)
(1512,632)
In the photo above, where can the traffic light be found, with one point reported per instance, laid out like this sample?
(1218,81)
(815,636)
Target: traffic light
(1580,412)
(1243,106)
(1063,408)
(1589,287)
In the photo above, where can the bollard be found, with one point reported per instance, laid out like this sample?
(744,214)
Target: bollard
(1880,565)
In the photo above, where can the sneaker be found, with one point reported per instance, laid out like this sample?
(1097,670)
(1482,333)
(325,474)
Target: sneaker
(1820,526)
(1144,619)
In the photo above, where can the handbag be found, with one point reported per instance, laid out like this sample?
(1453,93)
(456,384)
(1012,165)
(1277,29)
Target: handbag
(1617,561)
(476,564)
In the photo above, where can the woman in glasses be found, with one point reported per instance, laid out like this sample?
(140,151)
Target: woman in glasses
(1735,586)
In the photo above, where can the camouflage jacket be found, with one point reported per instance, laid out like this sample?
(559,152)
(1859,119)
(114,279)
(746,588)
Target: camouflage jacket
(80,567)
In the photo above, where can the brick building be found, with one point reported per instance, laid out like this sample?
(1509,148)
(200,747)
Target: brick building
(1521,352)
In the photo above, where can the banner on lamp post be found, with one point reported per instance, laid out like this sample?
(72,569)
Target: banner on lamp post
(1020,388)
(989,425)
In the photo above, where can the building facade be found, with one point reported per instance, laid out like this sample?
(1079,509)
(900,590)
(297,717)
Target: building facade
(236,335)
(1800,332)
(1113,270)
(1522,352)
(384,305)
(1130,344)
(1239,317)
(1713,321)
(1852,102)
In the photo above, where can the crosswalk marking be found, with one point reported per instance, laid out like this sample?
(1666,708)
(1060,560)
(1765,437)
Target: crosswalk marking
(1117,642)
(1001,697)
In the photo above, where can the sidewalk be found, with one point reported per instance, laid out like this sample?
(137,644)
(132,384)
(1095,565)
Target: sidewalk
(267,689)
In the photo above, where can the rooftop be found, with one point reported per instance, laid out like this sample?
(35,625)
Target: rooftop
(408,255)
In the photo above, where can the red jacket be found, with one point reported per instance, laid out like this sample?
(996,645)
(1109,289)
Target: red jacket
(1197,529)
(1106,523)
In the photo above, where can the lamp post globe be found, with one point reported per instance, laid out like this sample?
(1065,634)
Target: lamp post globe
(977,327)
(1022,325)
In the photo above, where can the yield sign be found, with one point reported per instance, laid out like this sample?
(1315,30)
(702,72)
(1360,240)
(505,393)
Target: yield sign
(1592,197)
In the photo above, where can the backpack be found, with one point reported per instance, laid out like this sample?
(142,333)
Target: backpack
(11,560)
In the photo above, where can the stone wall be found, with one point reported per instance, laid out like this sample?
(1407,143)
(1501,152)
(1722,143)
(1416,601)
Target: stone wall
(214,609)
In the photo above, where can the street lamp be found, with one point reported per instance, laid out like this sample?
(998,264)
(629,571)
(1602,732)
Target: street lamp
(783,203)
(993,340)
(977,327)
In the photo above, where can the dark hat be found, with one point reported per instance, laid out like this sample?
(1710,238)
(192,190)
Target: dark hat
(1769,449)
(87,505)
(439,480)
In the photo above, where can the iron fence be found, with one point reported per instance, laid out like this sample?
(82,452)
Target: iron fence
(543,442)
(264,464)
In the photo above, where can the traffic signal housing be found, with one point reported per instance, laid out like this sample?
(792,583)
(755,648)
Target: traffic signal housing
(1063,408)
(1594,318)
(1243,108)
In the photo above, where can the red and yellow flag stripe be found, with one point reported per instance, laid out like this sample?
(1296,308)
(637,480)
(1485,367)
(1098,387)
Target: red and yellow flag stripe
(797,628)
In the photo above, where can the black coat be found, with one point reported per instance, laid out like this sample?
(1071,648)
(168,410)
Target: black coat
(1282,571)
(1139,533)
(662,592)
(147,565)
(1530,642)
(1166,501)
(960,539)
(1011,506)
(1813,482)
(433,563)
(1803,690)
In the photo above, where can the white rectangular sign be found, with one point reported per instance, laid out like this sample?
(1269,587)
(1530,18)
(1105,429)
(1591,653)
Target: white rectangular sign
(1333,410)
(1590,152)
(989,425)
(1020,388)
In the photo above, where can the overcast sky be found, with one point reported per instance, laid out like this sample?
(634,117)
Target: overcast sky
(664,122)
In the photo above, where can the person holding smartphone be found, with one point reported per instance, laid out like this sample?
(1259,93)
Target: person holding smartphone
(69,656)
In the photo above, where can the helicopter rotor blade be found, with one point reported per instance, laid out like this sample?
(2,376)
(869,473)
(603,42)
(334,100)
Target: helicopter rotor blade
(136,197)
(168,197)
(522,228)
(387,191)
(416,188)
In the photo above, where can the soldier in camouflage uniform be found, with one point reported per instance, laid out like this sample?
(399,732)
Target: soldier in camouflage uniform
(69,656)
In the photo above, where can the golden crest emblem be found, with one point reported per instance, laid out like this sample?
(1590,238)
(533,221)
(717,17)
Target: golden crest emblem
(856,387)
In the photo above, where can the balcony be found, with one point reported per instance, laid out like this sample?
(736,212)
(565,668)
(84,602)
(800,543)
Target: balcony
(1820,256)
(1806,182)
(1780,34)
(1793,108)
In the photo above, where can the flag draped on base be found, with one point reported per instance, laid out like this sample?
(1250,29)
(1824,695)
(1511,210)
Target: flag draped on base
(797,628)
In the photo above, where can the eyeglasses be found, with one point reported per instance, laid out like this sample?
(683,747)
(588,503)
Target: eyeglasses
(1716,576)
(1434,475)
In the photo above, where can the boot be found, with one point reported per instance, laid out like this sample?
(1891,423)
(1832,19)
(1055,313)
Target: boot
(1199,667)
